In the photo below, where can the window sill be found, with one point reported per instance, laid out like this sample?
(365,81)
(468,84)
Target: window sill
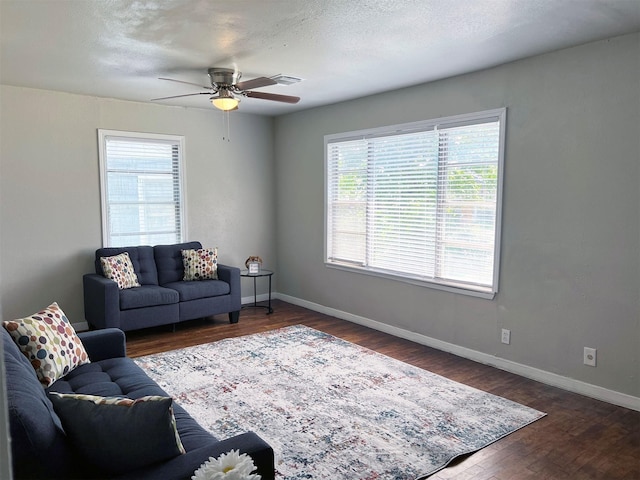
(451,287)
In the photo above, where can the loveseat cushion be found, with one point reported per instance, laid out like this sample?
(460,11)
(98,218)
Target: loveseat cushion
(199,289)
(141,257)
(147,296)
(169,261)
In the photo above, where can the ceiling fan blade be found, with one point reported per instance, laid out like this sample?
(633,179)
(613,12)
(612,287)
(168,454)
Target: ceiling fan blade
(255,83)
(186,83)
(273,96)
(178,96)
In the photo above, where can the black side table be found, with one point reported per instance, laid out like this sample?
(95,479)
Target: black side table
(261,273)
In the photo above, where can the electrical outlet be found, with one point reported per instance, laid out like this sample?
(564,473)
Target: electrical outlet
(506,336)
(590,356)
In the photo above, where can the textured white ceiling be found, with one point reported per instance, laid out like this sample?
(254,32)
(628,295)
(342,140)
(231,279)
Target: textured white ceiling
(342,49)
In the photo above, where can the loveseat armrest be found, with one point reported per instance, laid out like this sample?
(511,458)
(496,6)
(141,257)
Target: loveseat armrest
(103,344)
(101,301)
(231,275)
(182,467)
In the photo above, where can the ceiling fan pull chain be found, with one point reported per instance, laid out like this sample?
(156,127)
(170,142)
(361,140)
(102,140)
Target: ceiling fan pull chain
(225,125)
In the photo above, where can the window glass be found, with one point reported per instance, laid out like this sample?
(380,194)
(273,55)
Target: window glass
(142,194)
(419,201)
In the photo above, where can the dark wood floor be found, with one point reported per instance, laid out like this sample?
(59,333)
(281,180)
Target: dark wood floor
(580,438)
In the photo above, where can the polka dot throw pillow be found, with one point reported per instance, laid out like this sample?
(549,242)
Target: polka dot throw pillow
(120,269)
(50,343)
(201,264)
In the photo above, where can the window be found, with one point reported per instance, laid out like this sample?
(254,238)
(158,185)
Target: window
(142,195)
(418,202)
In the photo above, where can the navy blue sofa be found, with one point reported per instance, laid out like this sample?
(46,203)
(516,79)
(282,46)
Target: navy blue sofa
(41,450)
(163,297)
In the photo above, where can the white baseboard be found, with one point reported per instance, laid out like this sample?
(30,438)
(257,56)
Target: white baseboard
(566,383)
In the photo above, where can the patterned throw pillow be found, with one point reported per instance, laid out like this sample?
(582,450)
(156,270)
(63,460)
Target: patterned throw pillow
(200,264)
(120,269)
(50,343)
(119,434)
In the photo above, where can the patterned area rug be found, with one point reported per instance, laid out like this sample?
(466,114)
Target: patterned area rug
(331,409)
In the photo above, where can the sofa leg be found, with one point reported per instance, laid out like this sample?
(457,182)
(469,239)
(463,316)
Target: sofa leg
(234,316)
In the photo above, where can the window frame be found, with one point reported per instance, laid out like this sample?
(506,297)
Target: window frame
(179,140)
(424,125)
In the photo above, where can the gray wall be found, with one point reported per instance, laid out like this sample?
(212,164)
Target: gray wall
(571,238)
(50,195)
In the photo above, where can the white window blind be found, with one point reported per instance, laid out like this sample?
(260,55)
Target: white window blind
(418,201)
(142,194)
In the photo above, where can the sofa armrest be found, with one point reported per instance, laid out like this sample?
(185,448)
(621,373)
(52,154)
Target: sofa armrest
(254,446)
(103,344)
(182,467)
(101,301)
(231,275)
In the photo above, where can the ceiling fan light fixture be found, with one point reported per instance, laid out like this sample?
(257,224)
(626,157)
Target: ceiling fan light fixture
(225,101)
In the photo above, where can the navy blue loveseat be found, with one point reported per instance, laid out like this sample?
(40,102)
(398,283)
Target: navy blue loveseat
(41,449)
(163,297)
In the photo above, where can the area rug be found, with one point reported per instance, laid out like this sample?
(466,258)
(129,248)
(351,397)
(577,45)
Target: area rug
(332,409)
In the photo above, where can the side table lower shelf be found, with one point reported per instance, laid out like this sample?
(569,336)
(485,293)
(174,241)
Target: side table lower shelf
(261,273)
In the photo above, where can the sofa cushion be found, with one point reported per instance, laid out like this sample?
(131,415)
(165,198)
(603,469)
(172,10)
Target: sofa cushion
(141,257)
(93,379)
(122,377)
(49,341)
(169,261)
(201,289)
(119,434)
(112,377)
(147,296)
(120,269)
(200,264)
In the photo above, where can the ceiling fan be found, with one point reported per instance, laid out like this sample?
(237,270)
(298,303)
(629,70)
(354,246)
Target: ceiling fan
(225,89)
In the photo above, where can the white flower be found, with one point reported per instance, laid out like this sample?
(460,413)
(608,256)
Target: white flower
(228,466)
